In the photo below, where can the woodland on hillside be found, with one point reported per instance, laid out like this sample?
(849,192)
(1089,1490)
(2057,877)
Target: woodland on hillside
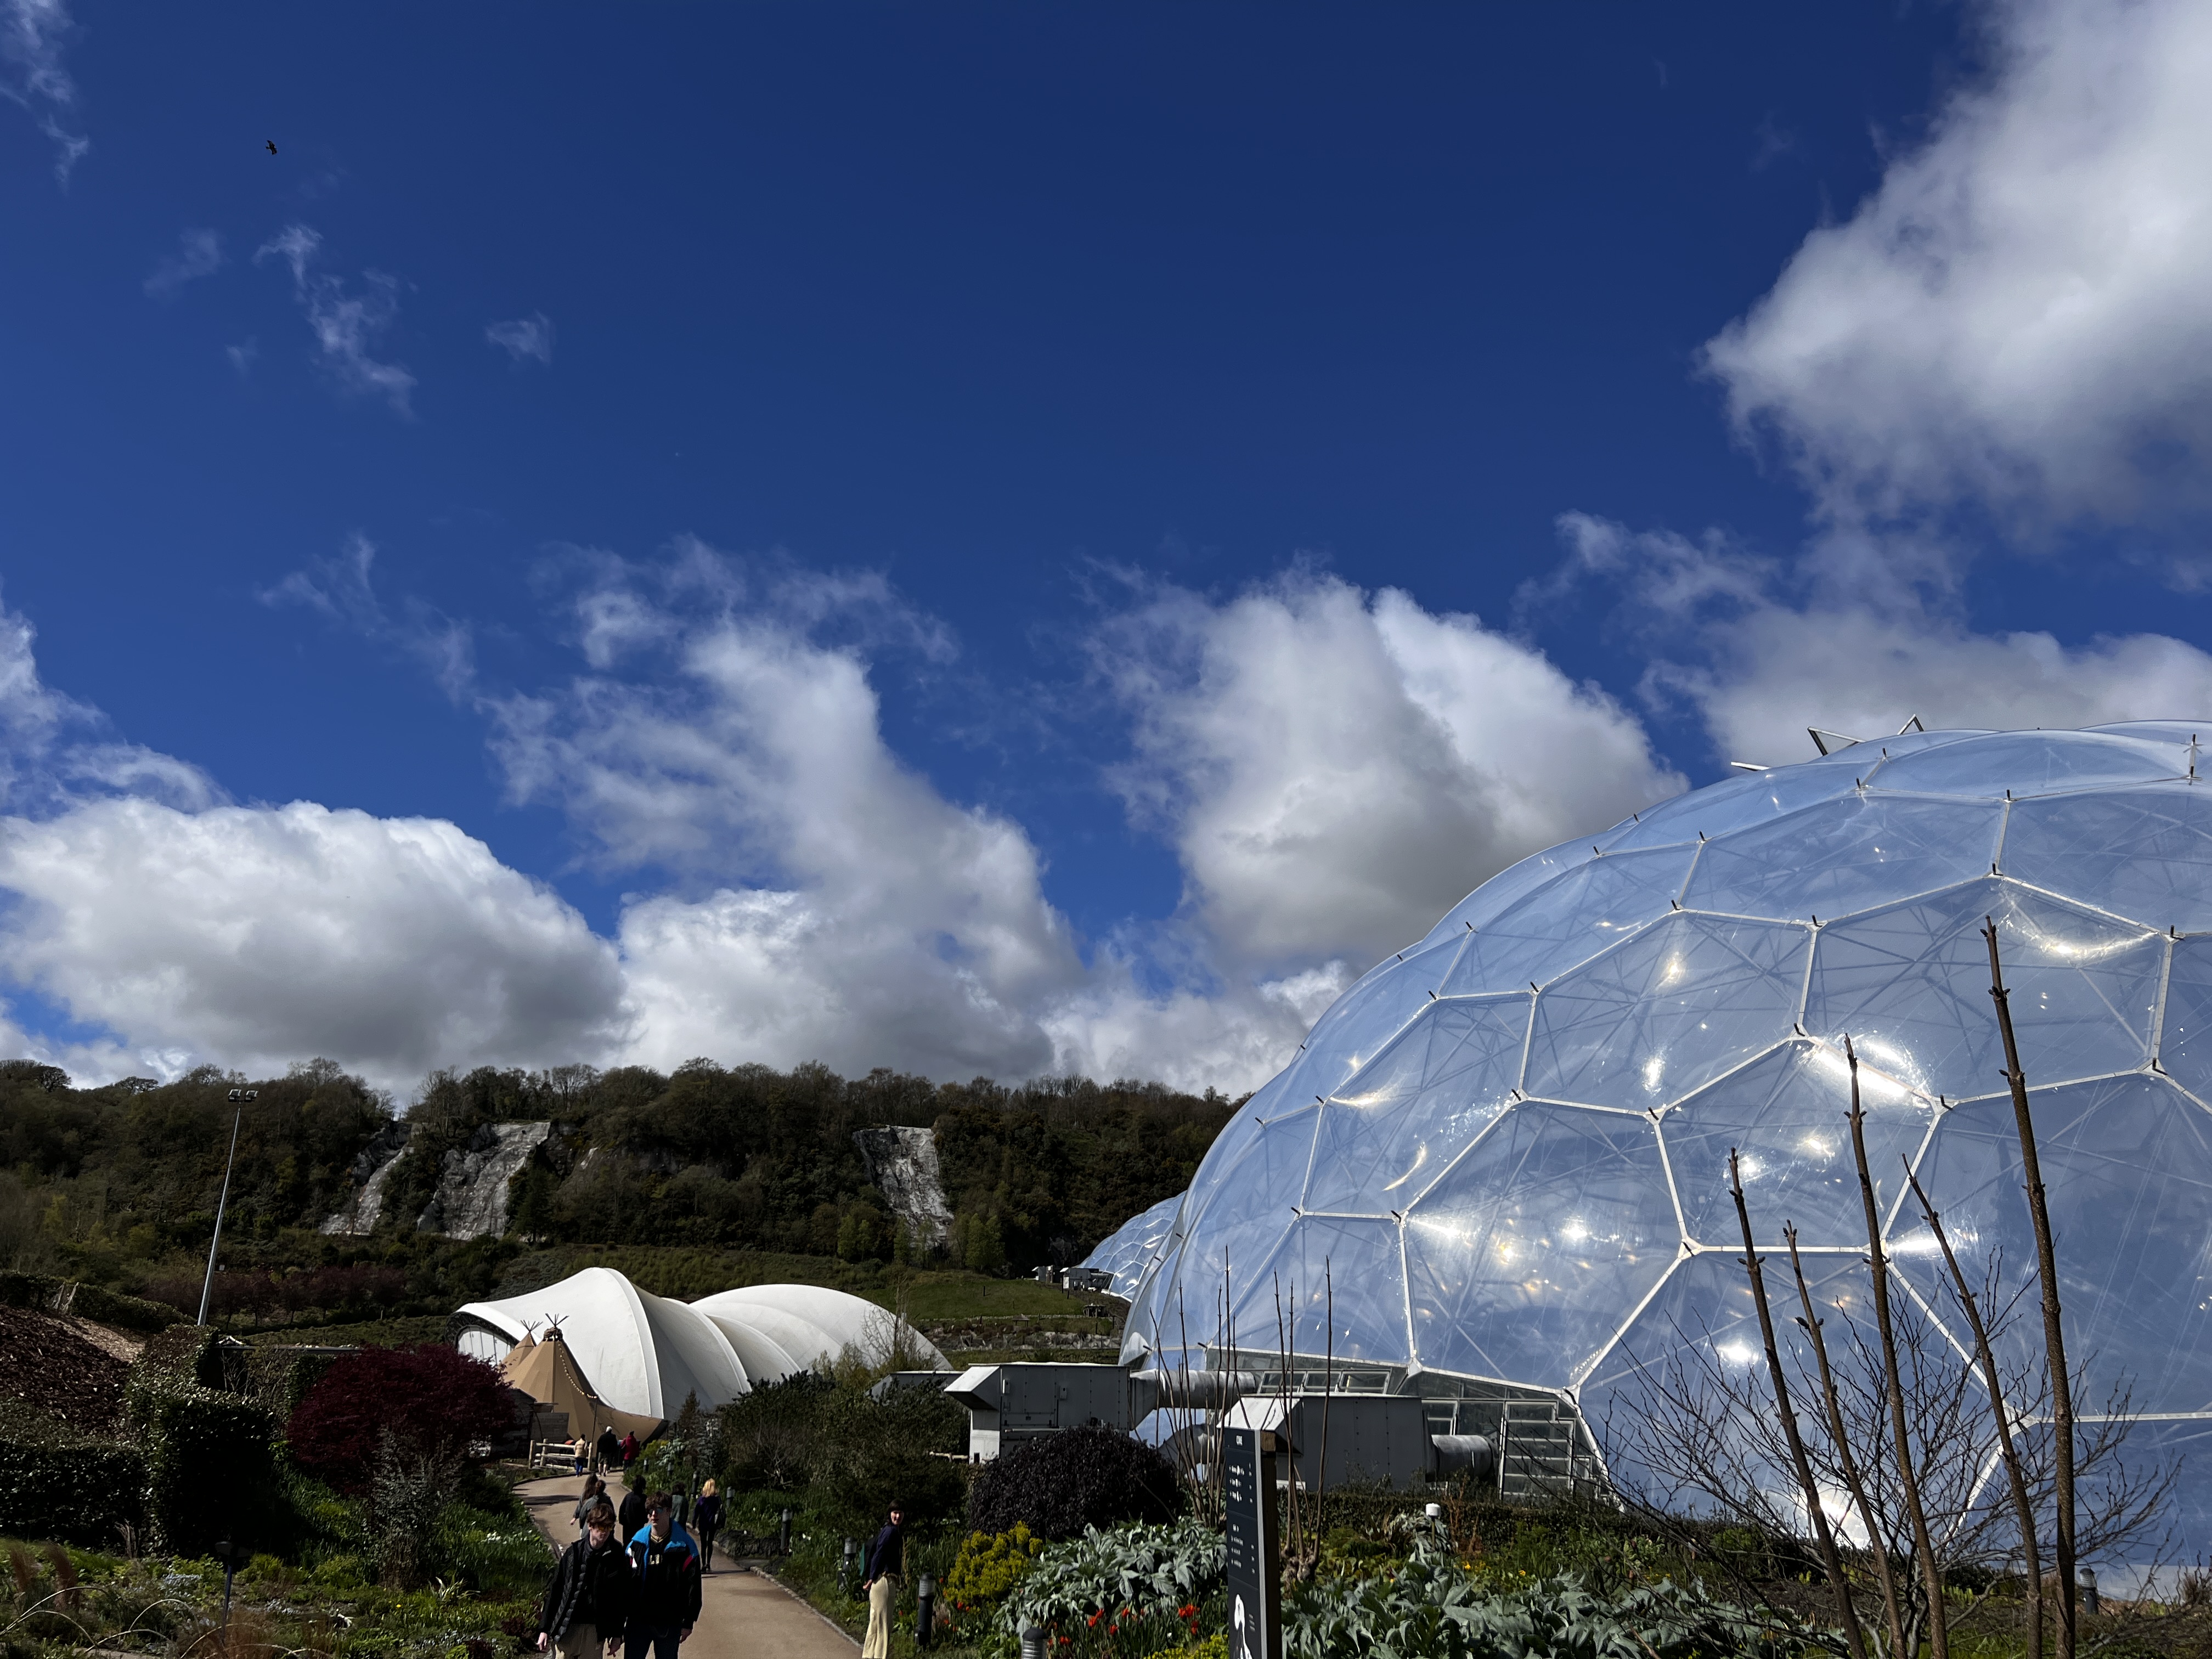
(118,1185)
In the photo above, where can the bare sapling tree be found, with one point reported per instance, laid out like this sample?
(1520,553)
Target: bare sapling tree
(1816,1511)
(2007,1451)
(2046,1269)
(1840,1444)
(1908,1478)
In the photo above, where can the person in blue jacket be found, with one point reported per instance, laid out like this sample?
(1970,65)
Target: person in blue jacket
(664,1593)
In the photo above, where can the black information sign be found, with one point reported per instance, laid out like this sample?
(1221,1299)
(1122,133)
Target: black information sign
(1255,1604)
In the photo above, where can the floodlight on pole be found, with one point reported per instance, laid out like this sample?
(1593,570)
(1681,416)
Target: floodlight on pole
(239,1097)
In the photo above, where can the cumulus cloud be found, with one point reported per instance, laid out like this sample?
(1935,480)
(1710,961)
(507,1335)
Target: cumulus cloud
(198,253)
(346,327)
(2017,318)
(262,934)
(1336,768)
(524,339)
(1759,655)
(33,78)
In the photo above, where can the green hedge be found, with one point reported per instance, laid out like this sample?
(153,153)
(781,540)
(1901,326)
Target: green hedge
(210,1466)
(102,1306)
(183,1353)
(57,1483)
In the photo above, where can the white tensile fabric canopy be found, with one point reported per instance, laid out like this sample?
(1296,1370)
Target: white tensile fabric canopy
(644,1353)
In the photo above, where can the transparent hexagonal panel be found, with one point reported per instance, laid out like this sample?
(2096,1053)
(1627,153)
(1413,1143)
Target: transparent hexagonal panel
(1395,1125)
(2128,1168)
(1911,985)
(1526,1257)
(2030,763)
(1787,1117)
(1688,999)
(1336,1288)
(1845,856)
(2185,1046)
(1738,803)
(1570,921)
(1239,1211)
(1364,1018)
(1508,887)
(2142,853)
(1684,1402)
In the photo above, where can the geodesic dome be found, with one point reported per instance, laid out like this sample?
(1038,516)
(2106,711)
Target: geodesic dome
(1129,1251)
(1503,1154)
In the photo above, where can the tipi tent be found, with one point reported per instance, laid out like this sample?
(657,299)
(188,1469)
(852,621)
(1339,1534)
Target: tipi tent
(547,1372)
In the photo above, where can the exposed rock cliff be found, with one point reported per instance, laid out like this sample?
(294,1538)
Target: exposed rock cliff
(471,1201)
(902,1164)
(368,1174)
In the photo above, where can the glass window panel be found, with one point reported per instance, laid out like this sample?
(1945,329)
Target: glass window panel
(1911,985)
(1128,1252)
(1786,1116)
(1845,856)
(1329,1269)
(1531,1251)
(2183,732)
(2127,1165)
(1405,1116)
(1667,1013)
(2029,763)
(2145,852)
(1569,921)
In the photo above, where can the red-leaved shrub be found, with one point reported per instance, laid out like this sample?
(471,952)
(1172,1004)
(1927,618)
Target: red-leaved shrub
(430,1397)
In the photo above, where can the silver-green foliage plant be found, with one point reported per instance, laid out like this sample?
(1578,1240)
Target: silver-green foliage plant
(1434,1607)
(1147,1568)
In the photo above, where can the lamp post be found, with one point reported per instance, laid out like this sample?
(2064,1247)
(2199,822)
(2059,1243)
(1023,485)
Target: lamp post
(239,1097)
(783,1535)
(925,1609)
(845,1567)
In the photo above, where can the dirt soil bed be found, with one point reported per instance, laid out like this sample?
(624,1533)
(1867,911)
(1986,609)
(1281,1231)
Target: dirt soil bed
(46,1365)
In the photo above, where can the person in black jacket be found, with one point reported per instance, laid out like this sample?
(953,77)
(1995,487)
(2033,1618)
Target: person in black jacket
(665,1600)
(588,1601)
(633,1508)
(886,1561)
(705,1521)
(609,1450)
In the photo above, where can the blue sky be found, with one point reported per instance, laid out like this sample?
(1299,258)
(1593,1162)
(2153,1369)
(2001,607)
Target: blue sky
(1019,539)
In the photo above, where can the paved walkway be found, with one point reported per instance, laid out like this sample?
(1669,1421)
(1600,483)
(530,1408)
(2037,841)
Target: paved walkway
(747,1615)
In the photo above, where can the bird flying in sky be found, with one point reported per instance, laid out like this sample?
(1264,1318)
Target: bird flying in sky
(272,146)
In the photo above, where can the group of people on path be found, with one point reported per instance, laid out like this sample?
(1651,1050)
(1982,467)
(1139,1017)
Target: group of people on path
(604,1453)
(647,1593)
(644,1594)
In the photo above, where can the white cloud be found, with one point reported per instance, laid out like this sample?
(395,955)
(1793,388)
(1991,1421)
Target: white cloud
(242,357)
(199,253)
(524,339)
(346,327)
(260,935)
(1760,660)
(341,589)
(34,78)
(2018,317)
(1337,769)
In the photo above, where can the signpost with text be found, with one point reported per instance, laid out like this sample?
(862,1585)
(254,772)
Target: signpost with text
(1255,1595)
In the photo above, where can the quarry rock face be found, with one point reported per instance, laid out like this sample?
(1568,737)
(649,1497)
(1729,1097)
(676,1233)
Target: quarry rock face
(471,1201)
(370,1172)
(902,1164)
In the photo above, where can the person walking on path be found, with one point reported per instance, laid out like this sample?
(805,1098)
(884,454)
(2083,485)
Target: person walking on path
(630,1449)
(609,1450)
(587,1601)
(886,1561)
(595,1493)
(580,1452)
(705,1521)
(633,1508)
(665,1607)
